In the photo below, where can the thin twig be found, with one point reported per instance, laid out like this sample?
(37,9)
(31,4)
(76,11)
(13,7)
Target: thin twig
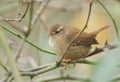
(11,60)
(40,11)
(27,33)
(6,77)
(58,78)
(83,61)
(79,34)
(41,71)
(27,7)
(4,66)
(6,19)
(17,19)
(17,54)
(43,24)
(20,2)
(29,30)
(15,27)
(113,20)
(30,20)
(46,68)
(29,27)
(29,42)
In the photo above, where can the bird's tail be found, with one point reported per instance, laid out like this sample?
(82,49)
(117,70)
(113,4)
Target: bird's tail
(98,31)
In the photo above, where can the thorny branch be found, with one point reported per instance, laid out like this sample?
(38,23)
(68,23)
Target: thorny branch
(49,67)
(45,68)
(106,46)
(79,34)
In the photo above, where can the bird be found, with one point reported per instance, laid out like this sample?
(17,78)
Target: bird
(60,36)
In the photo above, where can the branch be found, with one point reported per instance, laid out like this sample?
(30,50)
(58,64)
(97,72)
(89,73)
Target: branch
(39,70)
(30,25)
(43,24)
(29,42)
(6,77)
(4,66)
(106,46)
(10,58)
(79,34)
(46,68)
(83,61)
(15,27)
(40,11)
(117,79)
(57,78)
(21,45)
(24,14)
(17,19)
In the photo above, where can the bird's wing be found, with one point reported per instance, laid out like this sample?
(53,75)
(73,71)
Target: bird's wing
(85,39)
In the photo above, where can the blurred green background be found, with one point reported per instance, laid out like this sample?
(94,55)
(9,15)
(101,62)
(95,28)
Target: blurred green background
(72,12)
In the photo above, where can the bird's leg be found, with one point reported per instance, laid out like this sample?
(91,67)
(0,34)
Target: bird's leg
(71,64)
(66,63)
(64,66)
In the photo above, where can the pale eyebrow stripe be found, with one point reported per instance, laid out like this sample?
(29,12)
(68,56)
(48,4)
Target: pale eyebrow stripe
(61,27)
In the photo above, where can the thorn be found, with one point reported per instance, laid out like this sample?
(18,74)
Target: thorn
(96,49)
(106,42)
(108,46)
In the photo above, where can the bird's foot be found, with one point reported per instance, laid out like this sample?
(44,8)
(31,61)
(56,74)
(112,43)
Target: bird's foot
(67,63)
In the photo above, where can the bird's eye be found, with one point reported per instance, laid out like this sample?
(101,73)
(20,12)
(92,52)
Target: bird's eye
(59,30)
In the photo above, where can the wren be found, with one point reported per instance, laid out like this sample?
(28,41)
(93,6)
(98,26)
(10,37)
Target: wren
(61,35)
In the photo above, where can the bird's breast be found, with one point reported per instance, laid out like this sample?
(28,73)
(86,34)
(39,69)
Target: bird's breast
(58,45)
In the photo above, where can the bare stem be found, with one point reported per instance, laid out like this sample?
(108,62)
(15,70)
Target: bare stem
(6,68)
(17,19)
(29,42)
(46,68)
(55,78)
(25,11)
(40,11)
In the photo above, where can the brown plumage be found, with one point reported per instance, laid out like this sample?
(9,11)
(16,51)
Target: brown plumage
(61,35)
